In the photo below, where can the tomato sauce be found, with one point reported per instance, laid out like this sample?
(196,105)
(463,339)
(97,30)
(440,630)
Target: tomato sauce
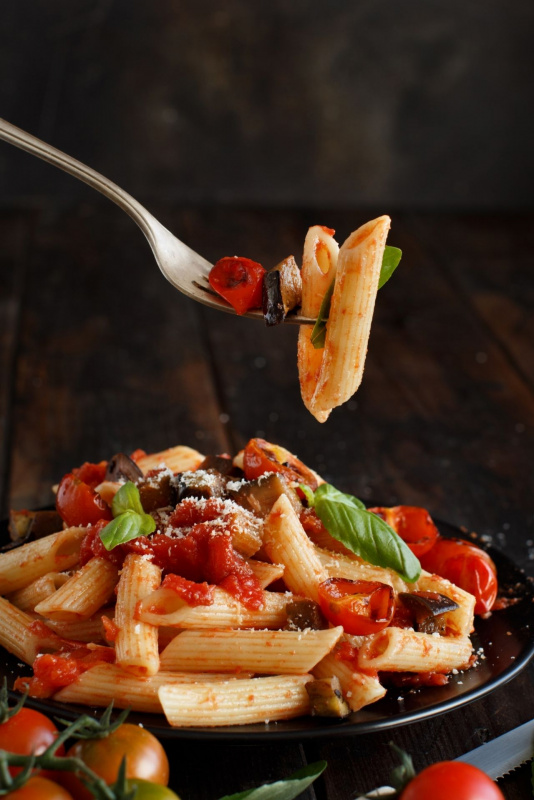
(194,594)
(196,545)
(52,672)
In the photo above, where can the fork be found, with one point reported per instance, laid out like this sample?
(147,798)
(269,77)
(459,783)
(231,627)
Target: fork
(186,270)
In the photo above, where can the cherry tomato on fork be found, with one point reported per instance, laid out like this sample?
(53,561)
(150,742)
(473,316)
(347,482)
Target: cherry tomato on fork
(261,457)
(239,281)
(77,502)
(413,524)
(451,780)
(362,607)
(466,565)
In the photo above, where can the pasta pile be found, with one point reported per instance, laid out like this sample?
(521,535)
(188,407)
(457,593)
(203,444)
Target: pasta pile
(222,662)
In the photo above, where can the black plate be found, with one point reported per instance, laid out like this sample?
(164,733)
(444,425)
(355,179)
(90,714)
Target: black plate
(505,637)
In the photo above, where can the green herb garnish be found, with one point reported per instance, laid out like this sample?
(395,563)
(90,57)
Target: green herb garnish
(364,533)
(390,262)
(130,520)
(282,790)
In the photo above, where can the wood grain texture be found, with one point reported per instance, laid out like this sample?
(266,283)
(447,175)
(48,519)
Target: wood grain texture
(98,354)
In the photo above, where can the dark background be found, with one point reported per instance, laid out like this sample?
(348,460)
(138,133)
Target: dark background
(369,103)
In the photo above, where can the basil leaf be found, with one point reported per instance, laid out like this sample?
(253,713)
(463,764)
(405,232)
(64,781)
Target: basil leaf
(282,790)
(308,494)
(390,262)
(318,334)
(127,499)
(366,534)
(127,526)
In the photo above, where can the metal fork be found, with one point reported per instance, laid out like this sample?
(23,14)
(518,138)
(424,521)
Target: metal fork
(186,270)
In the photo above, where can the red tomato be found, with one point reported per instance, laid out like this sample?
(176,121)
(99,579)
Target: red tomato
(362,607)
(467,566)
(260,457)
(78,503)
(145,758)
(92,474)
(451,780)
(413,524)
(28,732)
(239,281)
(39,788)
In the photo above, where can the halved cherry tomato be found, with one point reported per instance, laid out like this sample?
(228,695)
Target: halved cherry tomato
(77,502)
(239,281)
(413,524)
(260,457)
(362,607)
(451,780)
(27,732)
(466,565)
(91,474)
(145,758)
(39,788)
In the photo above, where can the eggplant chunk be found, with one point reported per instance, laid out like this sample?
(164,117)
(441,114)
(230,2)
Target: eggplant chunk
(25,526)
(303,614)
(201,483)
(157,491)
(222,464)
(260,495)
(122,467)
(327,698)
(428,609)
(281,291)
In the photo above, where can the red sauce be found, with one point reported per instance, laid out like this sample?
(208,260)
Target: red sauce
(413,680)
(111,630)
(53,672)
(345,651)
(194,594)
(203,552)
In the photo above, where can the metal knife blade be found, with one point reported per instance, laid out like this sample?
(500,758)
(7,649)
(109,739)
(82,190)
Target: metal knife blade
(496,758)
(505,753)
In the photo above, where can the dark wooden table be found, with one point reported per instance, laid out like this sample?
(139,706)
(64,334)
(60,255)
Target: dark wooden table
(99,354)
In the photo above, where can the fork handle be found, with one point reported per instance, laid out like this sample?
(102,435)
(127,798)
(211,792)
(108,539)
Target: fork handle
(25,141)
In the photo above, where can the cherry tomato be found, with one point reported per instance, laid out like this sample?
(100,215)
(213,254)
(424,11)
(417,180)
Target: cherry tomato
(27,732)
(260,457)
(39,788)
(413,524)
(362,607)
(151,791)
(78,503)
(239,281)
(91,474)
(467,566)
(451,780)
(145,758)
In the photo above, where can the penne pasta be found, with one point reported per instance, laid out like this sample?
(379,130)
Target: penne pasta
(236,702)
(136,644)
(23,565)
(403,650)
(83,594)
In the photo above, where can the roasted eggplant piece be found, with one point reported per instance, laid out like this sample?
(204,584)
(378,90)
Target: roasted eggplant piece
(281,291)
(260,495)
(222,464)
(25,526)
(122,467)
(327,698)
(303,614)
(157,491)
(427,609)
(202,483)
